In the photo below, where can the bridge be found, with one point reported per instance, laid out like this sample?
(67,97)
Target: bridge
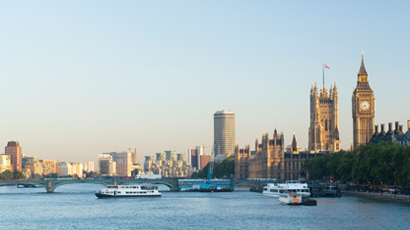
(172,183)
(52,184)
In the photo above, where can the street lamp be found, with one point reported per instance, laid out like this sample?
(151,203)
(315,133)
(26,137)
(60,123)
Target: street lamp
(394,191)
(368,190)
(347,186)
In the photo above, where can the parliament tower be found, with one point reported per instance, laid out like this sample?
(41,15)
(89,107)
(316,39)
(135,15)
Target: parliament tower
(363,109)
(324,120)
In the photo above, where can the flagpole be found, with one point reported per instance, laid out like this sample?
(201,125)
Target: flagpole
(323,68)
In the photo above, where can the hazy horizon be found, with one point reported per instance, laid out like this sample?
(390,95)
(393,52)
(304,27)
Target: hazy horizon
(84,78)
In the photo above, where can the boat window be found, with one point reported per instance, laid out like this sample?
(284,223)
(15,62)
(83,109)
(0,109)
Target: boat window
(109,187)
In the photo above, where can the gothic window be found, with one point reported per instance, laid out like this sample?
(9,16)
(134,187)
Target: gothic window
(326,125)
(330,124)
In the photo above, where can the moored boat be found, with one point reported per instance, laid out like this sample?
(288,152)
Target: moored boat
(27,186)
(128,191)
(275,189)
(290,198)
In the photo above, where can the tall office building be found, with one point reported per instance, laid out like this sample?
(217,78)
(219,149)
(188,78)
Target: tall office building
(224,132)
(193,158)
(363,109)
(106,165)
(90,167)
(123,163)
(14,150)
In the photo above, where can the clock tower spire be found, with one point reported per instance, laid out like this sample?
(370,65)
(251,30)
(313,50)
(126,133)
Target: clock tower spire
(363,108)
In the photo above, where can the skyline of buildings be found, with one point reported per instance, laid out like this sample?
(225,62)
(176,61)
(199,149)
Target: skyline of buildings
(270,159)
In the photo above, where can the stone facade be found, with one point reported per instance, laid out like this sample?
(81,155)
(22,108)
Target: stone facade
(363,109)
(324,120)
(271,160)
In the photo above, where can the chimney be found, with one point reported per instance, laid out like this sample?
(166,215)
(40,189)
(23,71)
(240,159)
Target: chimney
(382,133)
(396,130)
(408,124)
(390,130)
(401,128)
(376,130)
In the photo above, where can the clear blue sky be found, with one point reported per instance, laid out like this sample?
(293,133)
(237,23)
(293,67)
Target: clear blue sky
(84,77)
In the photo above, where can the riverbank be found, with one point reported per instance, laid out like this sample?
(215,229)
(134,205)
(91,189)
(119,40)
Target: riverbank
(379,196)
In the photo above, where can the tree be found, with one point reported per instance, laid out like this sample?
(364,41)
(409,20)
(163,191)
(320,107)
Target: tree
(18,175)
(8,174)
(225,168)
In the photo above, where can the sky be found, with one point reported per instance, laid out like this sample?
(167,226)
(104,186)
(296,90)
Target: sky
(80,78)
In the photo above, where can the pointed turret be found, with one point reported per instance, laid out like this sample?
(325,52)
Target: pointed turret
(336,133)
(362,70)
(294,144)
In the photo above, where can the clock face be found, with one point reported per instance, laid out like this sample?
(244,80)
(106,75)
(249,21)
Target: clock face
(365,105)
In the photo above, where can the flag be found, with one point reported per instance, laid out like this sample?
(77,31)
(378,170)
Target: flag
(325,66)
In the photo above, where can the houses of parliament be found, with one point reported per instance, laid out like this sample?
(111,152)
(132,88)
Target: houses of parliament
(271,159)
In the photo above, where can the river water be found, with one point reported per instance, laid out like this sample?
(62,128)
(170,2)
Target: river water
(76,207)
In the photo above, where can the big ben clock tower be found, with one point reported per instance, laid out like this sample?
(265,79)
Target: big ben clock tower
(363,109)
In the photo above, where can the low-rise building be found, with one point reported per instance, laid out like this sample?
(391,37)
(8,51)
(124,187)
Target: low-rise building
(50,167)
(5,163)
(35,168)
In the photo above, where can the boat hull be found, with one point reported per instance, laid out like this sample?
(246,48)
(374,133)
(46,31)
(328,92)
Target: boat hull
(215,190)
(107,196)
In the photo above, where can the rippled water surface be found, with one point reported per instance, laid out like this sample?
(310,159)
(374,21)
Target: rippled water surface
(76,207)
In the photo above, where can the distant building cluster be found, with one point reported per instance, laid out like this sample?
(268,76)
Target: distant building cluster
(32,167)
(123,164)
(168,164)
(197,158)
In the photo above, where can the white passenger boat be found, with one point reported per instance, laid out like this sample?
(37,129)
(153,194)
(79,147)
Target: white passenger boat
(128,191)
(290,198)
(275,189)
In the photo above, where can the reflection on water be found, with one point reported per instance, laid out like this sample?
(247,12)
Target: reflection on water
(76,207)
